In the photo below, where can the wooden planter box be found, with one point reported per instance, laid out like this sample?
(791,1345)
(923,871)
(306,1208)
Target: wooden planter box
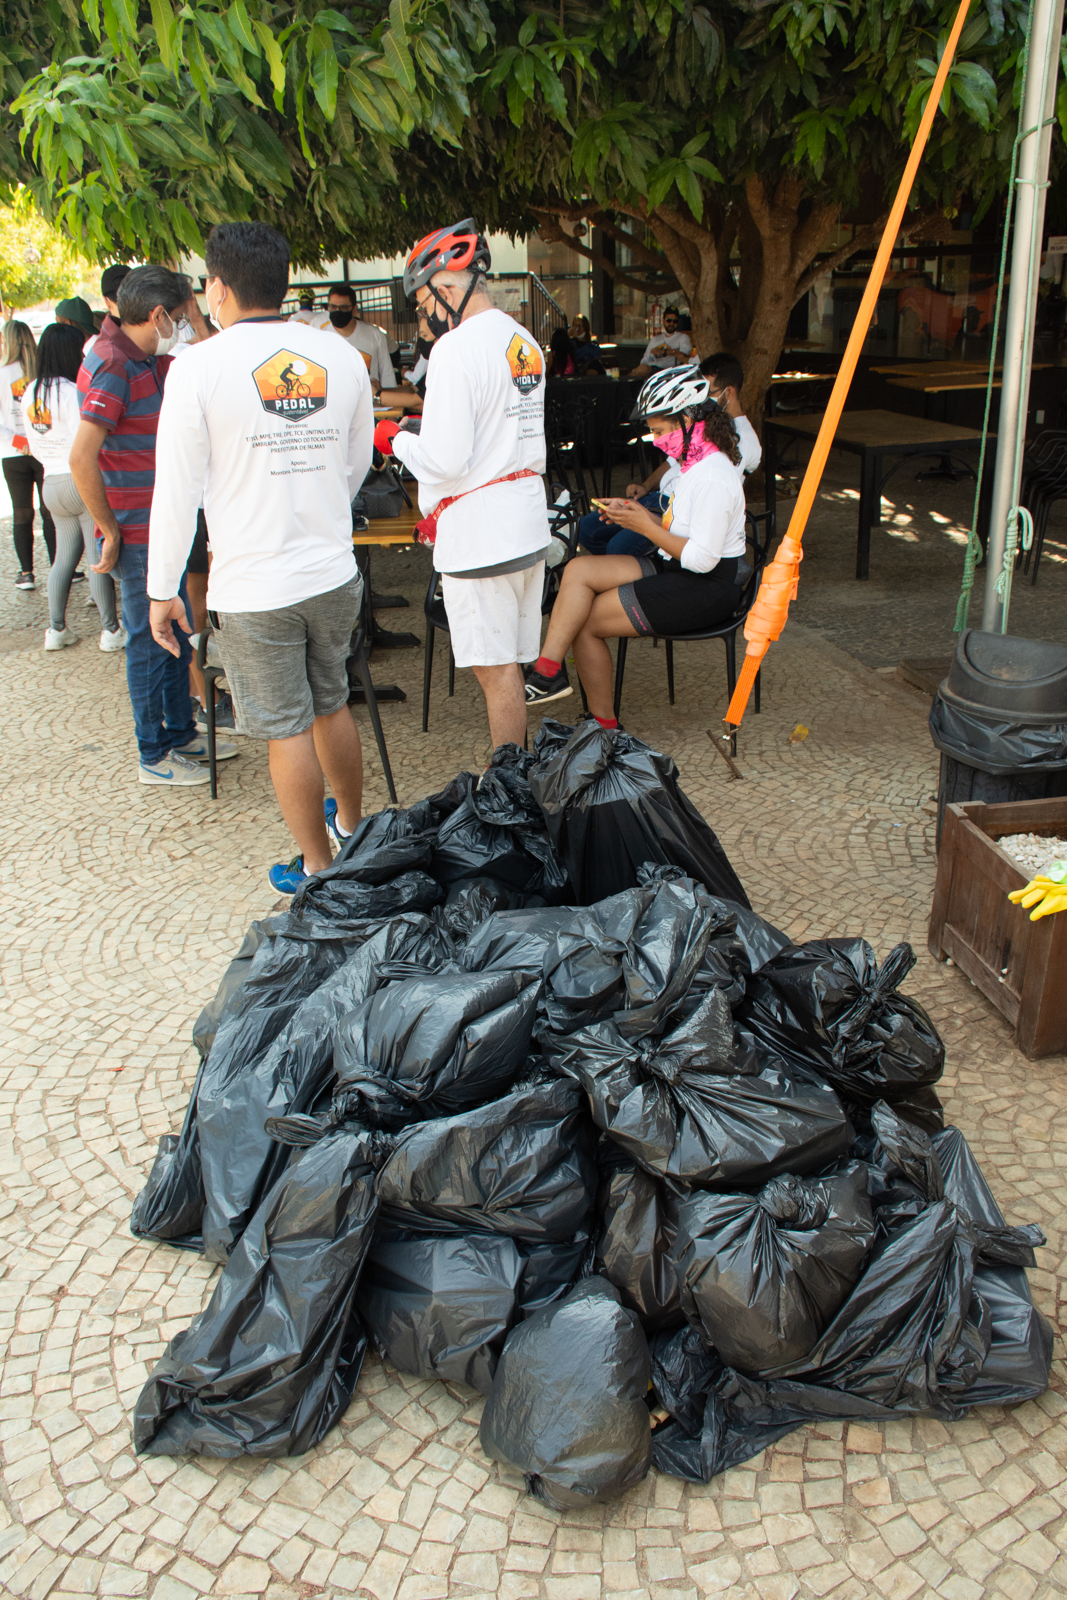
(1021,966)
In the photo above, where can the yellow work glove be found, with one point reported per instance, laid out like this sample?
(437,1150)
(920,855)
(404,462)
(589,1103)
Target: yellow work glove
(1047,892)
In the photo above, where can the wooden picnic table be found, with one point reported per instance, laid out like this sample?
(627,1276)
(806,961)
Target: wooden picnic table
(871,435)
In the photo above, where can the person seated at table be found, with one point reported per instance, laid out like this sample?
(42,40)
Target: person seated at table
(561,363)
(671,348)
(588,356)
(690,583)
(727,378)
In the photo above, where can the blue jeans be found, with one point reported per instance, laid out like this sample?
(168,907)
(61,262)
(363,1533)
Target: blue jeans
(608,539)
(158,683)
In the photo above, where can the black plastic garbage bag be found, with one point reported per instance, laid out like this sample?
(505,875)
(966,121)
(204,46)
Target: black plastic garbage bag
(613,805)
(683,1369)
(568,1406)
(433,1044)
(515,941)
(638,1225)
(288,965)
(693,1109)
(829,1006)
(207,1023)
(272,1362)
(339,895)
(239,1158)
(498,831)
(762,1275)
(470,901)
(523,1165)
(441,1307)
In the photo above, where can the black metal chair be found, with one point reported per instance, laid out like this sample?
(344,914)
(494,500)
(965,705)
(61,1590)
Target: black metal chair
(210,665)
(759,533)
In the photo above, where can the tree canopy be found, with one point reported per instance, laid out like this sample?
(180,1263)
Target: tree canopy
(720,143)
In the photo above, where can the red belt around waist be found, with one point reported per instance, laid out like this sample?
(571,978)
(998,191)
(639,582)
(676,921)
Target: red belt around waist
(426,530)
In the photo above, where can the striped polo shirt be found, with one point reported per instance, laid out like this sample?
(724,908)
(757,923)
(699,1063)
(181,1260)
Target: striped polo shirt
(122,390)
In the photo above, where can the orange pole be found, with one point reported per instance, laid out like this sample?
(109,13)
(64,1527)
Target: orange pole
(770,611)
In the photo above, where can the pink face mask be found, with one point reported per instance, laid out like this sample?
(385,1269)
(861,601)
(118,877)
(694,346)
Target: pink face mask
(672,444)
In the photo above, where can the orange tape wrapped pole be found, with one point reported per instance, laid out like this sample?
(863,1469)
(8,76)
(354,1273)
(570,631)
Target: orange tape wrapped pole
(779,584)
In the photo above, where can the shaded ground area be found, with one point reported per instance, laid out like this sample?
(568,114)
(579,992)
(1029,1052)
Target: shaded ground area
(121,907)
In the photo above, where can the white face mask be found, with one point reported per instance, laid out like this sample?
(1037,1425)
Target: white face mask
(213,316)
(167,341)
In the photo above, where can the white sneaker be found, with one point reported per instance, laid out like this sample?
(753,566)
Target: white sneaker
(174,772)
(196,749)
(58,638)
(114,641)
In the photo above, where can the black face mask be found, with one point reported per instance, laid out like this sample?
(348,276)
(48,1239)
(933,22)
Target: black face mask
(341,319)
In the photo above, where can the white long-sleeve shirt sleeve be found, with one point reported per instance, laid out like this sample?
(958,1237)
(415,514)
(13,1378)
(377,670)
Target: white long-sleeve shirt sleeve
(182,454)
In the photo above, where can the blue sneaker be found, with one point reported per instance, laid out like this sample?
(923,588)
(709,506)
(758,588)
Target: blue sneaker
(333,827)
(286,879)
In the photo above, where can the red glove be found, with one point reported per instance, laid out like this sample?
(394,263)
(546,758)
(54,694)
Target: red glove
(384,434)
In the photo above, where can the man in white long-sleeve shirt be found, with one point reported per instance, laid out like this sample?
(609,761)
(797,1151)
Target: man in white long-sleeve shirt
(478,458)
(270,427)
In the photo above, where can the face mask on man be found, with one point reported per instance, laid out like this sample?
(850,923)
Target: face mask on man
(167,341)
(341,316)
(213,316)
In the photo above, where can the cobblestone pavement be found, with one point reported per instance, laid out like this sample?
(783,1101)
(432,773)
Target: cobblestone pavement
(122,905)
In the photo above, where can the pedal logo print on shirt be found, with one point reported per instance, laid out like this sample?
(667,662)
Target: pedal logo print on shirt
(40,417)
(524,359)
(291,386)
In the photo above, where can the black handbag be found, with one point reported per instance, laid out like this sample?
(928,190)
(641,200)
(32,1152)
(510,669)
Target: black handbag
(381,495)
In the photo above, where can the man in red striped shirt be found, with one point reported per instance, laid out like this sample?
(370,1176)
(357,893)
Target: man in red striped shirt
(113,463)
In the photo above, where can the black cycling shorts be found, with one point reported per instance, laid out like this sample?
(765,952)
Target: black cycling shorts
(672,601)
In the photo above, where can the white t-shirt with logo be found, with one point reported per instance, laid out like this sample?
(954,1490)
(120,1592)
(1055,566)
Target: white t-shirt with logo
(677,341)
(371,342)
(51,419)
(483,417)
(707,509)
(309,315)
(10,409)
(269,426)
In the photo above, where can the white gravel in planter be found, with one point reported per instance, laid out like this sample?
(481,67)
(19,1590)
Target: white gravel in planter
(1034,851)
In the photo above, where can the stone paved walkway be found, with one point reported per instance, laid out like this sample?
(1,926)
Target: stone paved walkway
(120,907)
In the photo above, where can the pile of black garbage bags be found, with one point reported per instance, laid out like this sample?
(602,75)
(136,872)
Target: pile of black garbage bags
(524,1092)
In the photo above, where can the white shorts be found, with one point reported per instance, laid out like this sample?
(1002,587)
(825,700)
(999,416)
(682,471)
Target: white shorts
(495,621)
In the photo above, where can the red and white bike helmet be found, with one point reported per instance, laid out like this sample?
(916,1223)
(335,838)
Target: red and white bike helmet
(456,249)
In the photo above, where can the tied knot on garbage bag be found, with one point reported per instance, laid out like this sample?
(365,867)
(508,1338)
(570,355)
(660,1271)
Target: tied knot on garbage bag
(828,1006)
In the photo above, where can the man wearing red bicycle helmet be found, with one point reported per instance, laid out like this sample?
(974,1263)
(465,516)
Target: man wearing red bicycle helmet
(478,457)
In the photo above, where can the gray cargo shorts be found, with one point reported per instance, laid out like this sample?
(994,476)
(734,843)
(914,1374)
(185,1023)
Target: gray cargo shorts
(287,667)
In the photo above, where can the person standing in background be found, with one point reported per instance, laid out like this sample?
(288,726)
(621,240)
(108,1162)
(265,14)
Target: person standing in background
(342,316)
(22,473)
(77,313)
(306,311)
(270,425)
(50,406)
(113,464)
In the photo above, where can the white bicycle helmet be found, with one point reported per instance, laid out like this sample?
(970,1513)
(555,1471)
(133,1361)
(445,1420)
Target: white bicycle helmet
(671,392)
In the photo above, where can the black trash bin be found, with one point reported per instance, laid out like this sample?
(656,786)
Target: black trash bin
(1000,721)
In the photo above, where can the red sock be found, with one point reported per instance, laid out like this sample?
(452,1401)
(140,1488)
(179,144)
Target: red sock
(546,666)
(607,722)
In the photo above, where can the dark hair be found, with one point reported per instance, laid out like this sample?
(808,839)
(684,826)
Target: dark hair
(110,279)
(145,288)
(725,369)
(671,311)
(59,355)
(343,288)
(718,428)
(252,260)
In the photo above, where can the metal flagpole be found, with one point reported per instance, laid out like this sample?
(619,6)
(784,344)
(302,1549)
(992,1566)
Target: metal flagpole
(1036,115)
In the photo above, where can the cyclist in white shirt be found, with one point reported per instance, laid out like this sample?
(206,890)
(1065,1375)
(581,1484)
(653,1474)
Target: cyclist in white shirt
(269,427)
(51,413)
(482,441)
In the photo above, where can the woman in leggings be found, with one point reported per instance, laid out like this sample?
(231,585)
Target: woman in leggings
(52,417)
(19,365)
(690,582)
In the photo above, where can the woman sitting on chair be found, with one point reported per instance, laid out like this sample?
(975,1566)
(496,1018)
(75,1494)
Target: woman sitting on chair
(689,584)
